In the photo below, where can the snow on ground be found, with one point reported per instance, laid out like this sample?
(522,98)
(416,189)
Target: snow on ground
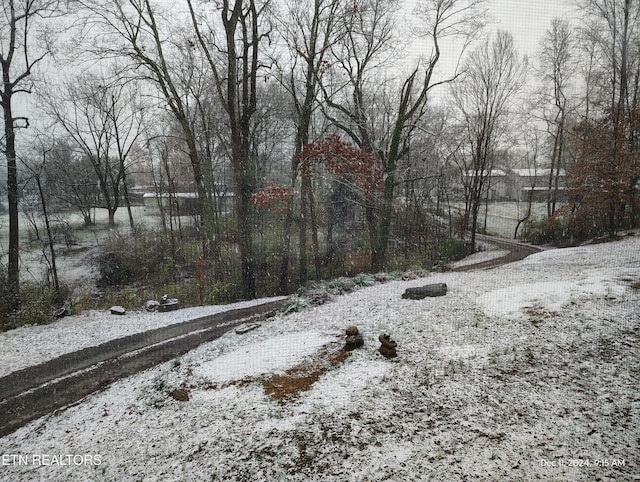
(504,378)
(32,345)
(272,355)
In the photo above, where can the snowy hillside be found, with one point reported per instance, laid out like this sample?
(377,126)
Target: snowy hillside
(529,371)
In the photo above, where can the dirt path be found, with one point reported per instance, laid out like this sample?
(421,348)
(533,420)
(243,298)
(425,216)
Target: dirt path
(34,391)
(517,251)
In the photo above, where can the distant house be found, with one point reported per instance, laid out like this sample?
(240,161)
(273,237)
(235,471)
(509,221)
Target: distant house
(534,184)
(496,181)
(184,203)
(520,184)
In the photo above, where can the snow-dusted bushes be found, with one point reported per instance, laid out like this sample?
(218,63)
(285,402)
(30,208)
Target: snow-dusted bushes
(318,293)
(553,230)
(145,255)
(37,304)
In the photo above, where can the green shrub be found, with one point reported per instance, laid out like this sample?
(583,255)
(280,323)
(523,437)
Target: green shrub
(125,297)
(38,301)
(556,230)
(35,312)
(453,250)
(295,303)
(143,256)
(223,292)
(364,279)
(340,285)
(117,268)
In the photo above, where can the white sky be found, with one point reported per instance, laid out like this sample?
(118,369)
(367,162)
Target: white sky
(528,20)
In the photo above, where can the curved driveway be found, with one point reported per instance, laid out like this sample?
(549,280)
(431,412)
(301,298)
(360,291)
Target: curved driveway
(37,390)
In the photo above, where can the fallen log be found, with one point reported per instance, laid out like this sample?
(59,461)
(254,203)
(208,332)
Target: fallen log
(420,292)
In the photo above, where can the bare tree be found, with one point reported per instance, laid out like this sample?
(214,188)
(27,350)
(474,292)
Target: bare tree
(146,35)
(587,47)
(494,75)
(22,47)
(104,122)
(36,170)
(532,142)
(245,27)
(70,179)
(308,29)
(369,28)
(557,65)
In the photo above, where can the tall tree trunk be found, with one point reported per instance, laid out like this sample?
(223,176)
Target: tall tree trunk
(127,200)
(283,285)
(303,275)
(52,251)
(314,233)
(13,274)
(244,214)
(205,211)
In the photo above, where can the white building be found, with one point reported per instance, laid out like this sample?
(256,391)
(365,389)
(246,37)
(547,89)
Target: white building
(520,184)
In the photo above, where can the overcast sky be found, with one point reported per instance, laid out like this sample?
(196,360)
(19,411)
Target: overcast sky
(528,20)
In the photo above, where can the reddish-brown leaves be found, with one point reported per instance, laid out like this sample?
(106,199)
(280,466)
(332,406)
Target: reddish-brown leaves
(345,161)
(333,155)
(273,197)
(603,181)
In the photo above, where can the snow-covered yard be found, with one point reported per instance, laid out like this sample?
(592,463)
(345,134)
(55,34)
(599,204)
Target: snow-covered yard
(529,371)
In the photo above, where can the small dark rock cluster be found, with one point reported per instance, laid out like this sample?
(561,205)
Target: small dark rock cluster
(388,347)
(60,313)
(165,304)
(168,304)
(246,328)
(354,338)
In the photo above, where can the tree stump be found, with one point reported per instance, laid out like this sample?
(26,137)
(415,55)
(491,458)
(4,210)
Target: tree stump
(420,292)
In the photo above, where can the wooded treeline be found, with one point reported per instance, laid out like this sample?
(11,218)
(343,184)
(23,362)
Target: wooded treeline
(313,140)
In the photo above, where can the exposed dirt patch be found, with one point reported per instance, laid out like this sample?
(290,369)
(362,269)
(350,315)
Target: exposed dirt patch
(537,314)
(297,379)
(301,377)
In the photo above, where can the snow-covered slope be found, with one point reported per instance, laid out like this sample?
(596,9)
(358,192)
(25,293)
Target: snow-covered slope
(525,372)
(32,345)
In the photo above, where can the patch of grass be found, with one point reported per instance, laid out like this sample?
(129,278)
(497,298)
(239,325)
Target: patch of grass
(364,279)
(38,301)
(295,303)
(340,285)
